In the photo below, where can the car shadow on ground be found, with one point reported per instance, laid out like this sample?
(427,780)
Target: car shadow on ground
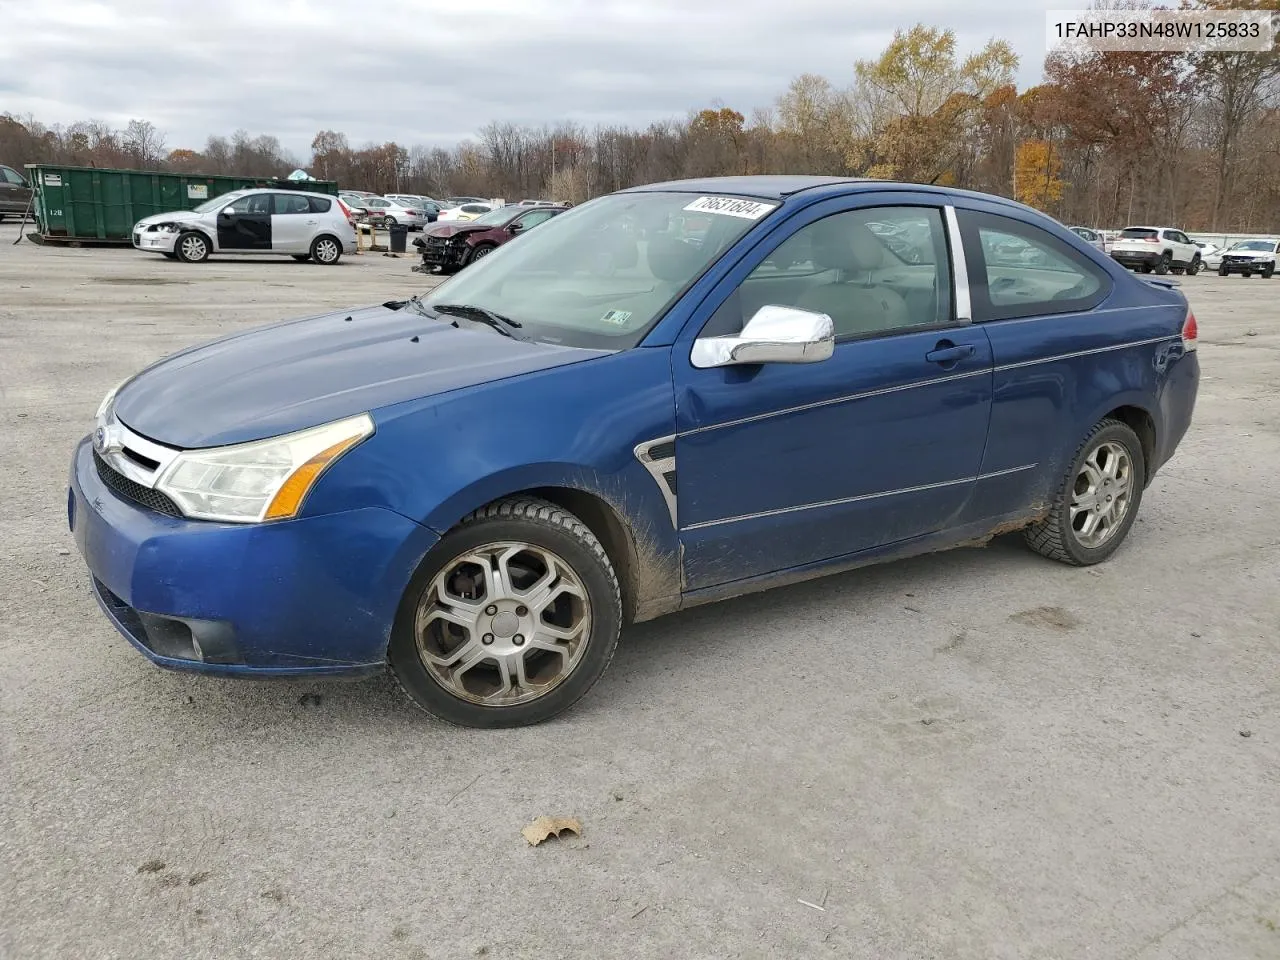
(692,641)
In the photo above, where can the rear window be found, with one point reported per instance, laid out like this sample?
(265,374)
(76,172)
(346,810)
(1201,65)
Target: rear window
(319,204)
(1138,233)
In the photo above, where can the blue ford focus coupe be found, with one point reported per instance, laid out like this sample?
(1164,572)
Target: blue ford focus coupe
(666,396)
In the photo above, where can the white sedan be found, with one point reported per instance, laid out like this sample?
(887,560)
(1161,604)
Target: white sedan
(465,211)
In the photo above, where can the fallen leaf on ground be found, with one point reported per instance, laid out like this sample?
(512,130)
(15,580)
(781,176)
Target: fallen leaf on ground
(545,827)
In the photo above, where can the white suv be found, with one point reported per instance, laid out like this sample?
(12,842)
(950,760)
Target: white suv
(305,226)
(1158,249)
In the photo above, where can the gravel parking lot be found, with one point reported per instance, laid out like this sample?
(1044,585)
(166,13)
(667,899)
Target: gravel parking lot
(979,754)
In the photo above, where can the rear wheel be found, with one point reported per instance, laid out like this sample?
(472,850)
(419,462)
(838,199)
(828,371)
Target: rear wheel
(388,222)
(1097,500)
(1247,274)
(1194,267)
(510,619)
(1162,265)
(192,247)
(326,250)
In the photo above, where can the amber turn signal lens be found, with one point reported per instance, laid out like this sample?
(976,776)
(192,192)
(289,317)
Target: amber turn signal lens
(290,496)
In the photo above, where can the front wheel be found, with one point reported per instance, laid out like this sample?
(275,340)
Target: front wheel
(1223,271)
(192,248)
(479,252)
(1097,500)
(1268,272)
(326,250)
(511,618)
(1194,267)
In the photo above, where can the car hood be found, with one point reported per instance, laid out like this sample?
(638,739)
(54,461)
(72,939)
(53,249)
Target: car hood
(298,374)
(451,228)
(177,216)
(1246,254)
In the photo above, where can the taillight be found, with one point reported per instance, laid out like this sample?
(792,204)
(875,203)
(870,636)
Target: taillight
(413,213)
(1190,332)
(346,211)
(1150,239)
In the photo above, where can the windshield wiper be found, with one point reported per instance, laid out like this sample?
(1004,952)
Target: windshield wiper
(503,325)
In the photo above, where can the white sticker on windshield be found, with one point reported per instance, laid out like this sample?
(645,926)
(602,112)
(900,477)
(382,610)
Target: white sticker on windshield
(732,207)
(618,318)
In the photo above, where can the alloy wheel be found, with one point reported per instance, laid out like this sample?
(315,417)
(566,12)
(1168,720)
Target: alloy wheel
(503,624)
(1101,494)
(326,251)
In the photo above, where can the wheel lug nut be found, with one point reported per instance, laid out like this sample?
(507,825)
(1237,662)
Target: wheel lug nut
(487,638)
(518,639)
(491,609)
(522,611)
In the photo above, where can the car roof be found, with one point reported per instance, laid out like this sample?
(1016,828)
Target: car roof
(782,187)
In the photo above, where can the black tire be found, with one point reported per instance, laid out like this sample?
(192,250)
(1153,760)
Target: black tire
(388,222)
(1195,266)
(192,247)
(541,524)
(1163,264)
(326,250)
(1224,272)
(479,252)
(1247,274)
(1268,272)
(1054,536)
(1145,268)
(1,218)
(301,257)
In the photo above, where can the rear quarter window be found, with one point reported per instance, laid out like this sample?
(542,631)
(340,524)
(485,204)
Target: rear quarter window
(1017,270)
(319,204)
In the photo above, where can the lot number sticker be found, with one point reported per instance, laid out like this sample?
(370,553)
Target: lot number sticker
(731,207)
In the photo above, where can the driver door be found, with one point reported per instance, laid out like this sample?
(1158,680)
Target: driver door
(244,226)
(781,465)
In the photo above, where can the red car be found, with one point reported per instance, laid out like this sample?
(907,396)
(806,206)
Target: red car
(451,246)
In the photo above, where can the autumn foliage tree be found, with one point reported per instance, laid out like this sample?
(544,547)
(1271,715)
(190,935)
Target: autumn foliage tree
(1036,174)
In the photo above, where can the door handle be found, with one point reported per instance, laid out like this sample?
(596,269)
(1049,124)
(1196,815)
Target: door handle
(312,222)
(947,353)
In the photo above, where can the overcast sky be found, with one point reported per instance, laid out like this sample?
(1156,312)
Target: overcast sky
(434,71)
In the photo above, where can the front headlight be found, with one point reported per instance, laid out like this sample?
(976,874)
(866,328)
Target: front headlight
(263,480)
(108,402)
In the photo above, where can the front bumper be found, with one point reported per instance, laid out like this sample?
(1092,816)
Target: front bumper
(316,595)
(155,241)
(445,253)
(1232,265)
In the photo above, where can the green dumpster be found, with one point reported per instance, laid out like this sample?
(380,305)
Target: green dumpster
(92,204)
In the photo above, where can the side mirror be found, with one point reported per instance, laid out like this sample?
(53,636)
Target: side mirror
(515,227)
(228,211)
(775,334)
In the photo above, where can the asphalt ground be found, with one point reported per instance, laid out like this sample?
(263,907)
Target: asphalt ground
(977,754)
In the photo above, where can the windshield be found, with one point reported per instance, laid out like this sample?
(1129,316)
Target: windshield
(217,202)
(1262,246)
(602,274)
(496,218)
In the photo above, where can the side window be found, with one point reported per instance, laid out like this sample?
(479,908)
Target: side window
(12,176)
(873,271)
(291,203)
(531,220)
(1019,270)
(319,204)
